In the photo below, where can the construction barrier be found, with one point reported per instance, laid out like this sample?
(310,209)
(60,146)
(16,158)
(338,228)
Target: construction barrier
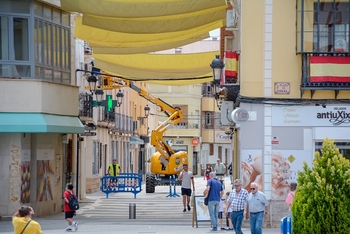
(172,184)
(123,183)
(286,225)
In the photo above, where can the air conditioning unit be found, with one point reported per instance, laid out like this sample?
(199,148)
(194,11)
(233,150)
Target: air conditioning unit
(231,19)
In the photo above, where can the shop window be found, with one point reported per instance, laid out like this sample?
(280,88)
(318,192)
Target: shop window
(344,148)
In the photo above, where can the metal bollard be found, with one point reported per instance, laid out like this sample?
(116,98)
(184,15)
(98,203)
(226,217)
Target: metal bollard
(132,211)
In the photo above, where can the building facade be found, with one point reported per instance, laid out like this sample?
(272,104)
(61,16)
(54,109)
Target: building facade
(294,84)
(39,106)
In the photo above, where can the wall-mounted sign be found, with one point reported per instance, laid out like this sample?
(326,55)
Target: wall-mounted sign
(221,137)
(239,115)
(195,141)
(282,88)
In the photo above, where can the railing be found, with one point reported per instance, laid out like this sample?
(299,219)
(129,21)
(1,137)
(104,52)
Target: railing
(123,183)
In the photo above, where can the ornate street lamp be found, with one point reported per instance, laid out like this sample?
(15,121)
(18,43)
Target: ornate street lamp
(217,65)
(147,109)
(99,96)
(120,96)
(92,83)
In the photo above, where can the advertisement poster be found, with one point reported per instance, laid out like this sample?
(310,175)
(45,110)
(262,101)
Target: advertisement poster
(285,165)
(251,168)
(202,212)
(45,174)
(25,176)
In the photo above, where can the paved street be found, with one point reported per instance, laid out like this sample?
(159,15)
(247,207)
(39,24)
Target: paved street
(155,213)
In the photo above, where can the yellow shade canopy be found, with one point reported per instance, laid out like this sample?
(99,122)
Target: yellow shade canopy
(154,25)
(168,67)
(146,49)
(138,8)
(104,38)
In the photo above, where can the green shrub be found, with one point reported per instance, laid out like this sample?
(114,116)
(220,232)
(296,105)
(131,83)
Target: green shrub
(322,199)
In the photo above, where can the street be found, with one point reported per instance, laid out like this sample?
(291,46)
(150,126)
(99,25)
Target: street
(155,213)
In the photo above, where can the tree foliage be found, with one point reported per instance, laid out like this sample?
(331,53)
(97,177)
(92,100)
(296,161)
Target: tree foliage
(322,198)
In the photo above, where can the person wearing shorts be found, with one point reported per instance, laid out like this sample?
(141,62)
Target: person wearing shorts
(68,213)
(186,177)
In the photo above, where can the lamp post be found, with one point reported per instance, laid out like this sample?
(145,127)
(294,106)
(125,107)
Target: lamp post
(147,109)
(99,95)
(92,83)
(120,96)
(217,65)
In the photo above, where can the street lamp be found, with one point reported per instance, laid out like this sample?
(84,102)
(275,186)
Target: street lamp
(217,65)
(147,109)
(99,95)
(120,96)
(92,83)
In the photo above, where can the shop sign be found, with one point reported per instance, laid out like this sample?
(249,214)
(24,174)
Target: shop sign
(329,115)
(222,137)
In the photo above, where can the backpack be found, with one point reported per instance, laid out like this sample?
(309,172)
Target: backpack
(73,202)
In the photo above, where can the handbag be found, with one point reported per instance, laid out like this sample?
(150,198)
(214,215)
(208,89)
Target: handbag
(206,199)
(26,226)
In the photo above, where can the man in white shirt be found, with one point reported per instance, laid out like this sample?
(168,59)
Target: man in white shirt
(220,169)
(186,176)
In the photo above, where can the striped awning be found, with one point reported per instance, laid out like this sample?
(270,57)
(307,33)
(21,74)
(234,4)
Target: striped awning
(329,69)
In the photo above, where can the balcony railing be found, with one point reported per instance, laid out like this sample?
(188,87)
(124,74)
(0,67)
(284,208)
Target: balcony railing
(85,105)
(325,79)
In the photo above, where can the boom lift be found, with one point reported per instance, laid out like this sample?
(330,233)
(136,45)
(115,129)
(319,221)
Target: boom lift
(165,162)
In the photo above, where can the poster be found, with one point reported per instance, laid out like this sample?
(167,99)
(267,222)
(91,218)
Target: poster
(202,211)
(45,174)
(25,176)
(251,168)
(285,165)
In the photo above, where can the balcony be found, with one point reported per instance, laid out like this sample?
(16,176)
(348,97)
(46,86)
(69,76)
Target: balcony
(323,71)
(85,106)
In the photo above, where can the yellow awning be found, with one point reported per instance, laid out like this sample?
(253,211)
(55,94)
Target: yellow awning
(146,49)
(138,8)
(156,25)
(157,66)
(104,38)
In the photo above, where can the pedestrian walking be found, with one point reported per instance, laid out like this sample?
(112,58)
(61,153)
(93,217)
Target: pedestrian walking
(220,170)
(290,197)
(207,170)
(22,221)
(236,202)
(256,209)
(229,168)
(68,212)
(214,192)
(228,213)
(186,178)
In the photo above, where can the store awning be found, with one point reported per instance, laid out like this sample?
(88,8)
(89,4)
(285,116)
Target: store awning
(136,141)
(39,123)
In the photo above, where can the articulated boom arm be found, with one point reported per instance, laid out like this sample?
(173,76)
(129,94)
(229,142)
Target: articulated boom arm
(174,117)
(174,114)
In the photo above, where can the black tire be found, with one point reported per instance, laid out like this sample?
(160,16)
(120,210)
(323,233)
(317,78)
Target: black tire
(150,183)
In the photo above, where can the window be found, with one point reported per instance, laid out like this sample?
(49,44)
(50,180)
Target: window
(323,27)
(47,29)
(96,153)
(51,44)
(344,148)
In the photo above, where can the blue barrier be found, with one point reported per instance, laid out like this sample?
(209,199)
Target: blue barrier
(286,225)
(123,183)
(172,182)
